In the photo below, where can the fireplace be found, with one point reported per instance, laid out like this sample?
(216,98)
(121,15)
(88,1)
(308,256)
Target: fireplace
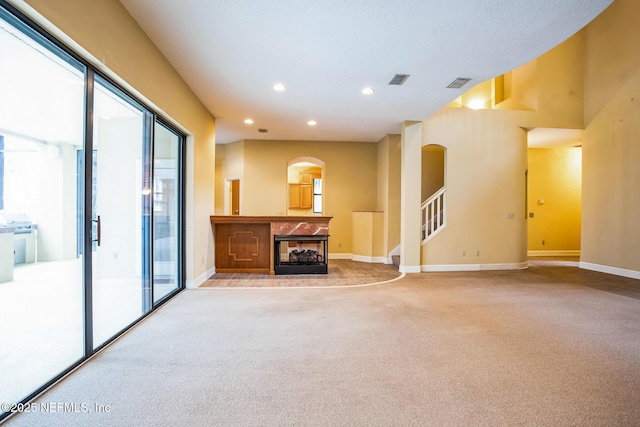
(300,254)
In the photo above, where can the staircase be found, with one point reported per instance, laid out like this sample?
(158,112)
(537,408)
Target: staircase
(434,214)
(434,218)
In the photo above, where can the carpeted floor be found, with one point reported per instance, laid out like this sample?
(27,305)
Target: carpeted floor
(546,346)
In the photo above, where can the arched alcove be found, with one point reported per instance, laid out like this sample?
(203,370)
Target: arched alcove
(305,186)
(433,169)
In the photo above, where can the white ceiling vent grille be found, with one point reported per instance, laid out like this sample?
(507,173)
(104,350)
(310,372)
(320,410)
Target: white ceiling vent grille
(458,83)
(399,79)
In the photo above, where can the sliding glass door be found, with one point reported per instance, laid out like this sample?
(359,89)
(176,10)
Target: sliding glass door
(41,286)
(90,210)
(118,246)
(166,211)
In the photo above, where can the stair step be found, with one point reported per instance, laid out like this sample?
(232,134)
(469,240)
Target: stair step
(395,259)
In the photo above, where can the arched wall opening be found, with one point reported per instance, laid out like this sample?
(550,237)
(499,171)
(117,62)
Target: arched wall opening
(433,170)
(305,181)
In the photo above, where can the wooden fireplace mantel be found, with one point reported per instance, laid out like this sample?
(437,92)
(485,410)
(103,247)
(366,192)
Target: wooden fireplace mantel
(244,244)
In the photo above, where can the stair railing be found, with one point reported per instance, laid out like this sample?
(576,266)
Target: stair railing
(434,214)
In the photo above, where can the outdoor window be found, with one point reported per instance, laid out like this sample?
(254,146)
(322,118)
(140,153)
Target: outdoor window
(317,195)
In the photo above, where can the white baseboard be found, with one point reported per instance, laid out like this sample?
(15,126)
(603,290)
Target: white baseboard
(473,267)
(633,274)
(409,268)
(554,253)
(192,284)
(370,259)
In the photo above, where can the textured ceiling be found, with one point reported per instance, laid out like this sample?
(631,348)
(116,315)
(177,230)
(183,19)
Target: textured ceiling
(232,52)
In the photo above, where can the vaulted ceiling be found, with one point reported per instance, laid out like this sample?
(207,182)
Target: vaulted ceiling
(232,53)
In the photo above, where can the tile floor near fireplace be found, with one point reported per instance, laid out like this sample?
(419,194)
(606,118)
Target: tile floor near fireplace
(342,272)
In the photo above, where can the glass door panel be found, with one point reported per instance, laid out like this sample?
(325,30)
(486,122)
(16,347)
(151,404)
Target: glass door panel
(80,233)
(117,285)
(166,218)
(41,130)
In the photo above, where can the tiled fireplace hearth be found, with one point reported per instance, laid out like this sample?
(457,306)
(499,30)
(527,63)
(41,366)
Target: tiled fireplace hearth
(257,244)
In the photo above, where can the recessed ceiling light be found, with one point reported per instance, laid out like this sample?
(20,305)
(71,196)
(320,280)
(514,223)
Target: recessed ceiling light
(312,123)
(367,91)
(279,87)
(248,121)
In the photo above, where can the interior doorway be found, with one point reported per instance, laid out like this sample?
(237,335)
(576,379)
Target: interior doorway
(235,197)
(232,197)
(554,192)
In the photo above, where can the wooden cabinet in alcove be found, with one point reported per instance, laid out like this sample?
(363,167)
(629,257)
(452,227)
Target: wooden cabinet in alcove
(300,196)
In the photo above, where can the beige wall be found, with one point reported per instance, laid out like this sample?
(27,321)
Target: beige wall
(368,237)
(560,85)
(520,88)
(388,184)
(554,199)
(349,180)
(485,176)
(551,85)
(611,145)
(116,44)
(486,160)
(221,185)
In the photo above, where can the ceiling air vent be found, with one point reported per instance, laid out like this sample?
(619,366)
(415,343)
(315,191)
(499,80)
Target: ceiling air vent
(399,79)
(458,83)
(263,130)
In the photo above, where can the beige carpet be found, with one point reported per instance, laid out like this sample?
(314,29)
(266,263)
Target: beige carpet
(514,348)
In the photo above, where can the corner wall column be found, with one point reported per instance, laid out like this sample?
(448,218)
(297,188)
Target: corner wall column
(411,170)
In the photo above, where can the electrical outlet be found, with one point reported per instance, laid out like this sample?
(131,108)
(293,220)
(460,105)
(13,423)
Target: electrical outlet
(477,253)
(339,244)
(463,253)
(543,242)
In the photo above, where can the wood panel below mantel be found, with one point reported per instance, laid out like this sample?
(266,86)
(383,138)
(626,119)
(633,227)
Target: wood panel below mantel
(244,244)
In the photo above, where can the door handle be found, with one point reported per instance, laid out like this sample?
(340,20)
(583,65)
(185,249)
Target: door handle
(98,230)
